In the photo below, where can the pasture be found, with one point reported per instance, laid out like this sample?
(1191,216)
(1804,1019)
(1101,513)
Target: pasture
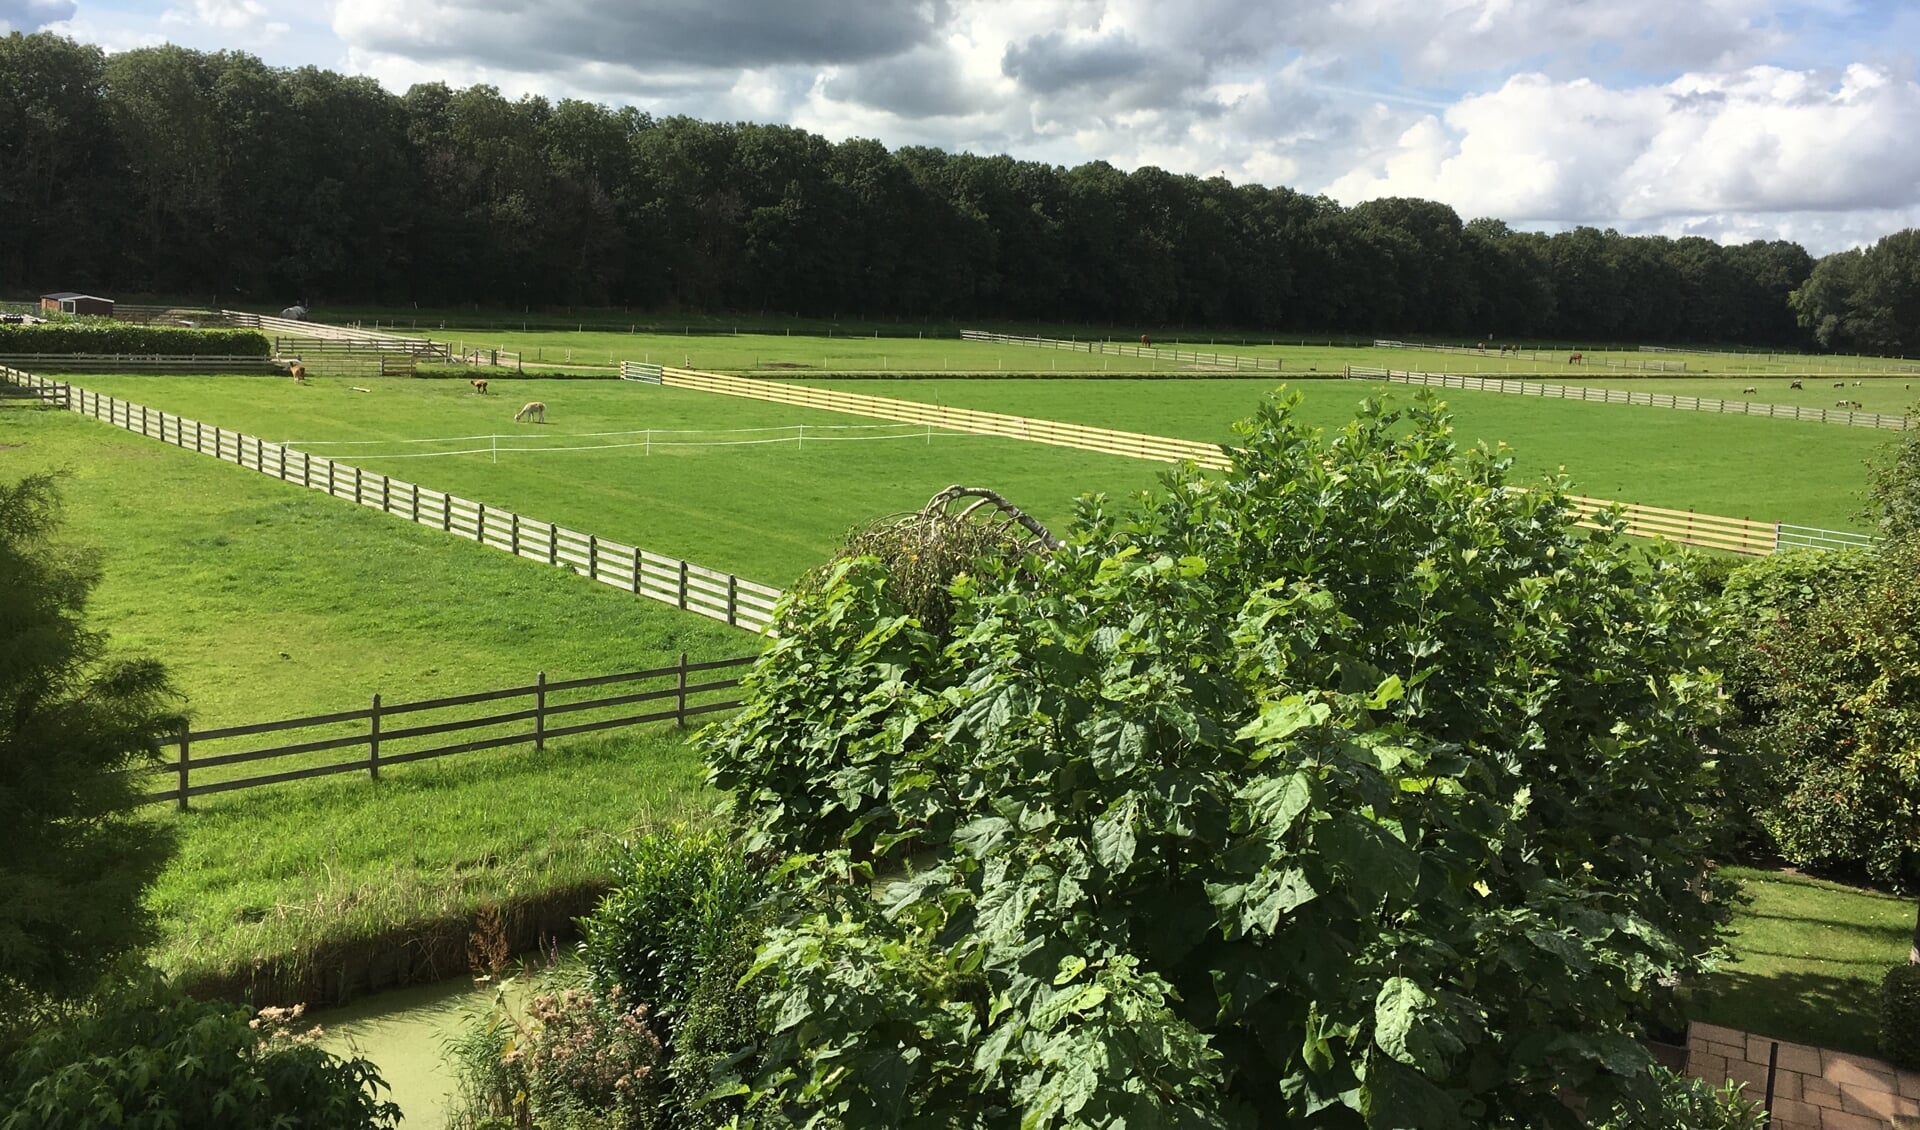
(1813,473)
(752,496)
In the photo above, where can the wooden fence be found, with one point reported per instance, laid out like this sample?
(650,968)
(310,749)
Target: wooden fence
(1231,361)
(137,363)
(288,327)
(1556,356)
(1628,396)
(719,596)
(386,734)
(1132,445)
(1738,535)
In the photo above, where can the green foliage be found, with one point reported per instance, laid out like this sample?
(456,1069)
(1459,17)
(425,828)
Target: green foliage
(1865,299)
(89,335)
(1350,786)
(1900,1015)
(1687,1103)
(144,1057)
(74,861)
(577,1059)
(1826,671)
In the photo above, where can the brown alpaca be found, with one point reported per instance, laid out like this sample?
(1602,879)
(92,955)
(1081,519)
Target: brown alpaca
(535,411)
(479,385)
(298,372)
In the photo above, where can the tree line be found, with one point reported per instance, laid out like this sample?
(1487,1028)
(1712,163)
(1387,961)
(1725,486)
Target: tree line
(168,171)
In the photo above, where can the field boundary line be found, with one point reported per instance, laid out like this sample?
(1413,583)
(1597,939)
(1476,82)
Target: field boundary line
(726,597)
(1125,349)
(1536,355)
(1711,531)
(1592,395)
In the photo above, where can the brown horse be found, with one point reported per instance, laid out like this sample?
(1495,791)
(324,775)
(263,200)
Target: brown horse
(1146,341)
(1576,358)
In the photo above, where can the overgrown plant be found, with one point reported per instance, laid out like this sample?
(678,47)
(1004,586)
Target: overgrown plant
(141,1056)
(1350,786)
(104,336)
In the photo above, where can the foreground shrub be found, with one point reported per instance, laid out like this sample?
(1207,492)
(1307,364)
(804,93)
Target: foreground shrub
(105,336)
(656,1021)
(1900,1015)
(144,1057)
(1687,1103)
(576,1059)
(74,723)
(1350,786)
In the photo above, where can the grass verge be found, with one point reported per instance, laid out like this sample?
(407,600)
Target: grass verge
(321,890)
(1808,956)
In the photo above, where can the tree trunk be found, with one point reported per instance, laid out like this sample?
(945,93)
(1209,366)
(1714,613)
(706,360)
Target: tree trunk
(1913,952)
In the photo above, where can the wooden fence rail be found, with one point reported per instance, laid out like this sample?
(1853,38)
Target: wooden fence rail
(372,731)
(1236,362)
(1629,396)
(720,596)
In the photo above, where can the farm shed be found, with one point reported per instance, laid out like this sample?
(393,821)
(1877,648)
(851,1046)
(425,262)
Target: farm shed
(73,302)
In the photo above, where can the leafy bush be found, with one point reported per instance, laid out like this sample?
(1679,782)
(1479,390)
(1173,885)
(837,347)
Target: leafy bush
(577,1059)
(1900,1015)
(74,860)
(1350,785)
(666,950)
(1687,1103)
(1826,672)
(144,1057)
(103,336)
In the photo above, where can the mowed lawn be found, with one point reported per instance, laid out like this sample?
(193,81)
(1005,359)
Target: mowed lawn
(768,511)
(1808,956)
(1769,470)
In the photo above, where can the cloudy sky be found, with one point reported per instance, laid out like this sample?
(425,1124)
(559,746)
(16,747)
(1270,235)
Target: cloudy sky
(1734,119)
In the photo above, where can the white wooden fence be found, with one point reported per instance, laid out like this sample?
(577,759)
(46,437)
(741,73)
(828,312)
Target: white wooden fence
(719,596)
(137,362)
(1847,416)
(1231,361)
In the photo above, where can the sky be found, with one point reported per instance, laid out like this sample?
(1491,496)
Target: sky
(1732,119)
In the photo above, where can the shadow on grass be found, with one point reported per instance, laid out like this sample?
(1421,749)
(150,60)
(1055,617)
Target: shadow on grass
(1798,1007)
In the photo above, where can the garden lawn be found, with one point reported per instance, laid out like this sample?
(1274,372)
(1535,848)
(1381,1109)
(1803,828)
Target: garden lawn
(1743,467)
(1808,956)
(768,511)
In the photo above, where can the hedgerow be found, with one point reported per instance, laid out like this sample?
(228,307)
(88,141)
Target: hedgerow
(128,338)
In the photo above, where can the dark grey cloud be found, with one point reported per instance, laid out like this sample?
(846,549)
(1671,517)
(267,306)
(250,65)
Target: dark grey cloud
(923,83)
(32,15)
(672,34)
(1051,63)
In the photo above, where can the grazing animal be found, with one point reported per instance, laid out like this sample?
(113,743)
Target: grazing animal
(1576,358)
(1146,341)
(1849,404)
(479,385)
(1839,384)
(535,411)
(1749,390)
(1795,384)
(297,371)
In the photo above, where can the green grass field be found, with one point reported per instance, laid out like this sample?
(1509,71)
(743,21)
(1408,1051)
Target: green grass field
(1808,956)
(769,511)
(1897,395)
(268,601)
(1771,470)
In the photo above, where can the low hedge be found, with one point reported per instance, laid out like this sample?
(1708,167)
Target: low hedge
(126,337)
(1900,1015)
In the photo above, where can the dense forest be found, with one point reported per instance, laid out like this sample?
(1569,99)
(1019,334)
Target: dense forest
(166,171)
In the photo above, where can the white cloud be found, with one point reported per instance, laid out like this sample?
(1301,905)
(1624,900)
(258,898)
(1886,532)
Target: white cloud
(32,15)
(1703,148)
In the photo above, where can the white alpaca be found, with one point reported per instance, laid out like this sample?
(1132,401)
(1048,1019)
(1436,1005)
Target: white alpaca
(535,411)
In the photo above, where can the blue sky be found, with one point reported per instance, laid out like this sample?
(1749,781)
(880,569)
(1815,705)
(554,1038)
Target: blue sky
(1734,119)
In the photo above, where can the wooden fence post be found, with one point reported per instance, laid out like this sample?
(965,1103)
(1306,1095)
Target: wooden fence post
(181,804)
(683,604)
(540,712)
(733,596)
(593,558)
(513,532)
(680,715)
(638,557)
(373,741)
